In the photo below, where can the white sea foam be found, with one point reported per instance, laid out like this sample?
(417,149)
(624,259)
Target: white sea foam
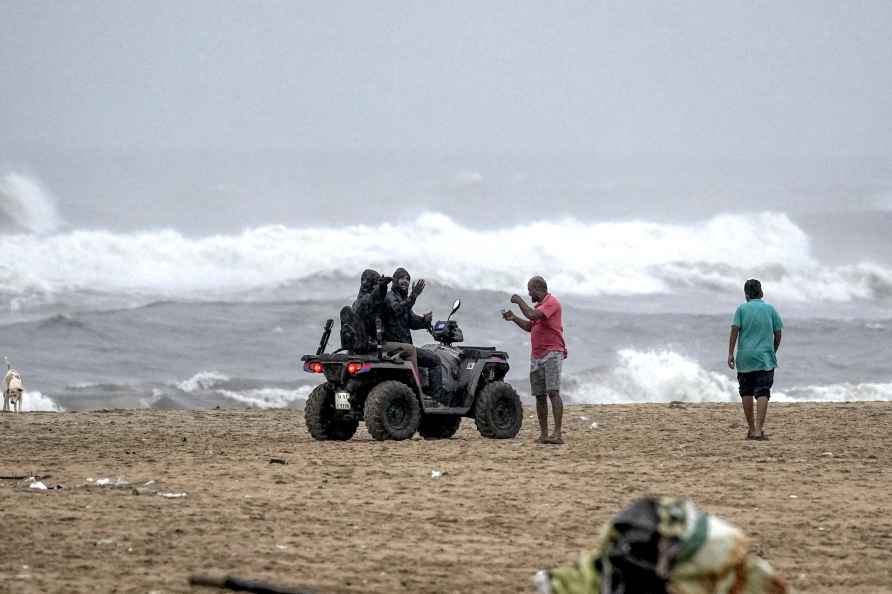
(203,380)
(25,205)
(268,397)
(664,376)
(653,376)
(35,401)
(846,392)
(586,259)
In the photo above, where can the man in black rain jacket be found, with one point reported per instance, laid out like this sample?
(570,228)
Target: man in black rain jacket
(370,300)
(358,327)
(399,320)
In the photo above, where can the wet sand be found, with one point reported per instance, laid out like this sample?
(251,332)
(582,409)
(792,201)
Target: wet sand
(365,516)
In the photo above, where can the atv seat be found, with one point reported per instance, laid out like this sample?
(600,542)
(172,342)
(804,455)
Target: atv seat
(480,352)
(396,355)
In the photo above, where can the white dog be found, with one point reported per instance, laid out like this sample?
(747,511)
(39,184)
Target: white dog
(13,388)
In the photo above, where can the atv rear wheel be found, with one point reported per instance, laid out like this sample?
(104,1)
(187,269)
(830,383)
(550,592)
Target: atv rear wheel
(499,414)
(323,421)
(392,411)
(439,426)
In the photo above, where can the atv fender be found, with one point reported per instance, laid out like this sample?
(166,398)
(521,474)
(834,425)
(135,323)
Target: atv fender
(493,369)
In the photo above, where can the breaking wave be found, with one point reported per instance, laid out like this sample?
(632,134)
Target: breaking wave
(651,376)
(268,397)
(583,259)
(203,380)
(35,401)
(666,376)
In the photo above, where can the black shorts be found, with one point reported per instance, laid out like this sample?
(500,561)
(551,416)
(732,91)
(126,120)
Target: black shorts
(756,383)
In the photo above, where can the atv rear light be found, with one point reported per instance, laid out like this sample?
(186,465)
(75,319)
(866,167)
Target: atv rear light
(314,367)
(354,367)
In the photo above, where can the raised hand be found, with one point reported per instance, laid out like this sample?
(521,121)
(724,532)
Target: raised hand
(418,287)
(516,299)
(385,280)
(508,315)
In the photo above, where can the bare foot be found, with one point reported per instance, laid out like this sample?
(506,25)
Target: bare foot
(554,439)
(542,439)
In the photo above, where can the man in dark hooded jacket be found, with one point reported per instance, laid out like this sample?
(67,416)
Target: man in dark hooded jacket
(370,300)
(399,320)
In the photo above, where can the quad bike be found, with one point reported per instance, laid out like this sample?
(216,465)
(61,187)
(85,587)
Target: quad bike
(388,392)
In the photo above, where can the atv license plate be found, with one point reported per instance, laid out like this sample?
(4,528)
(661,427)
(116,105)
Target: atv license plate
(342,400)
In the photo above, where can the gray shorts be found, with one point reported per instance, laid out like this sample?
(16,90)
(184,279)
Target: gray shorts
(545,373)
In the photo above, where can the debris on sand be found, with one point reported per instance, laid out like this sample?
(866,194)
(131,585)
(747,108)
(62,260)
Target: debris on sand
(438,473)
(240,585)
(107,482)
(665,544)
(32,482)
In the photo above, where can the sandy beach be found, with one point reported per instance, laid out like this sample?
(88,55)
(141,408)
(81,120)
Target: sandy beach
(366,516)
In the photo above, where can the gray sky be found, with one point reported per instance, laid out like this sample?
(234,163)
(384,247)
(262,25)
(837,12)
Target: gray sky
(749,78)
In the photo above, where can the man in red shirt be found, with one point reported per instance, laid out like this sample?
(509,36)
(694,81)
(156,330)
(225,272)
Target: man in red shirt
(548,353)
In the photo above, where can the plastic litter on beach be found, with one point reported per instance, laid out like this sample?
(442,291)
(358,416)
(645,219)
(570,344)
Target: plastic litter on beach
(107,482)
(33,482)
(593,425)
(583,418)
(278,461)
(438,473)
(828,454)
(173,495)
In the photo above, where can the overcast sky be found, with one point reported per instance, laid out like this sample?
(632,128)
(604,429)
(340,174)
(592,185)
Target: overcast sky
(728,79)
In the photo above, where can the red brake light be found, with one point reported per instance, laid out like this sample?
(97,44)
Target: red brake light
(354,367)
(315,367)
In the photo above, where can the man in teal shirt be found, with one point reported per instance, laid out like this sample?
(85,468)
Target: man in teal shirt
(758,326)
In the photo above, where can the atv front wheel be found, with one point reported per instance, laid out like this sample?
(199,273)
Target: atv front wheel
(498,413)
(439,426)
(323,421)
(392,411)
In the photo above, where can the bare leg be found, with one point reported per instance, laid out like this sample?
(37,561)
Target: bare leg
(557,406)
(747,402)
(542,413)
(761,413)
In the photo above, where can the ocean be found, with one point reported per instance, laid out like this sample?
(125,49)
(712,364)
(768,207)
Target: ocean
(134,299)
